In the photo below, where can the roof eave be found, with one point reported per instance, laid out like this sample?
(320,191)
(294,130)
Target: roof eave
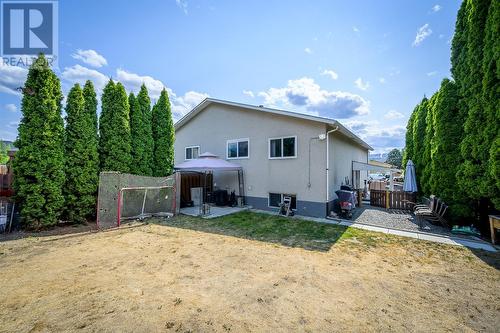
(207,101)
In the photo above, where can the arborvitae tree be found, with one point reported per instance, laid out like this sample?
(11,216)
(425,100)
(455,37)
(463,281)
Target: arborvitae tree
(408,151)
(474,150)
(39,163)
(427,148)
(137,136)
(445,150)
(114,129)
(81,157)
(90,98)
(494,170)
(459,67)
(164,136)
(419,126)
(146,168)
(491,98)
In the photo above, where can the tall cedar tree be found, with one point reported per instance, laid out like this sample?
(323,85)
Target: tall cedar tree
(90,98)
(164,136)
(491,98)
(426,157)
(114,129)
(459,67)
(419,126)
(146,168)
(81,158)
(137,136)
(474,149)
(445,150)
(408,151)
(39,163)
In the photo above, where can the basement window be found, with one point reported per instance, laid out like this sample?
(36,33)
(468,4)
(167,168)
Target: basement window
(275,199)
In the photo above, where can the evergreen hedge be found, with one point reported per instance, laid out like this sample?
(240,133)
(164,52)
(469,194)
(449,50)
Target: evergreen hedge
(39,163)
(164,136)
(81,157)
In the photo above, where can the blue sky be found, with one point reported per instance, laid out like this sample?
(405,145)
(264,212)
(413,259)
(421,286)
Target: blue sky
(365,63)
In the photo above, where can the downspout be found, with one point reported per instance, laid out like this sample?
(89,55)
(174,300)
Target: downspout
(328,166)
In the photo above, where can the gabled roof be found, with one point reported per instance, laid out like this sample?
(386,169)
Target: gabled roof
(330,122)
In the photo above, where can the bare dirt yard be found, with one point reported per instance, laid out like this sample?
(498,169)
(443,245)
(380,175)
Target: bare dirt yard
(244,273)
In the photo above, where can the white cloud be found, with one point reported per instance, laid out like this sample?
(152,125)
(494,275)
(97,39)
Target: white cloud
(355,29)
(382,138)
(422,33)
(436,8)
(7,134)
(249,93)
(308,50)
(185,103)
(361,84)
(90,57)
(432,73)
(381,80)
(11,78)
(393,114)
(180,104)
(10,107)
(13,124)
(182,4)
(133,82)
(308,96)
(80,74)
(331,74)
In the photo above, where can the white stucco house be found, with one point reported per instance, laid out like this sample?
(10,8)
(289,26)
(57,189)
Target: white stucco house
(281,153)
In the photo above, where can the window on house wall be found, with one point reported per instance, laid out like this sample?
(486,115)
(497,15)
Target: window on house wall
(238,148)
(285,147)
(192,152)
(276,198)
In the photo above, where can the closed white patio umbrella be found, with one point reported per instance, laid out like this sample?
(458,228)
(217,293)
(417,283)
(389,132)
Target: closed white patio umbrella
(410,183)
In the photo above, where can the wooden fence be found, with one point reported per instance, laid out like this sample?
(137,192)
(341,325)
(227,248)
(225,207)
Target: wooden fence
(392,199)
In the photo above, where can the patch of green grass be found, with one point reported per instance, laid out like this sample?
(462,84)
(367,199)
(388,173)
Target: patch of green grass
(275,229)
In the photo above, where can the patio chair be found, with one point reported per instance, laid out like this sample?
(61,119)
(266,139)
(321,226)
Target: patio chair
(434,214)
(428,203)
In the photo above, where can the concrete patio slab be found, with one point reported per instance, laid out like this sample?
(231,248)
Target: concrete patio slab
(215,211)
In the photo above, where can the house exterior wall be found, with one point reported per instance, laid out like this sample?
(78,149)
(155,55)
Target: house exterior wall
(214,126)
(342,153)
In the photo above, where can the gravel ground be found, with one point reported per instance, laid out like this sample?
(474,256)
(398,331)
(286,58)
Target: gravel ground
(393,219)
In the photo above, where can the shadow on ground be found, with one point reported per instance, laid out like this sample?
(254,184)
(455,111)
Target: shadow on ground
(59,230)
(267,228)
(490,258)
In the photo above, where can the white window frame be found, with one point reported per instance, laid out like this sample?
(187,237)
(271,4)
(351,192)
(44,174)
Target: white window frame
(282,157)
(190,147)
(281,200)
(237,149)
